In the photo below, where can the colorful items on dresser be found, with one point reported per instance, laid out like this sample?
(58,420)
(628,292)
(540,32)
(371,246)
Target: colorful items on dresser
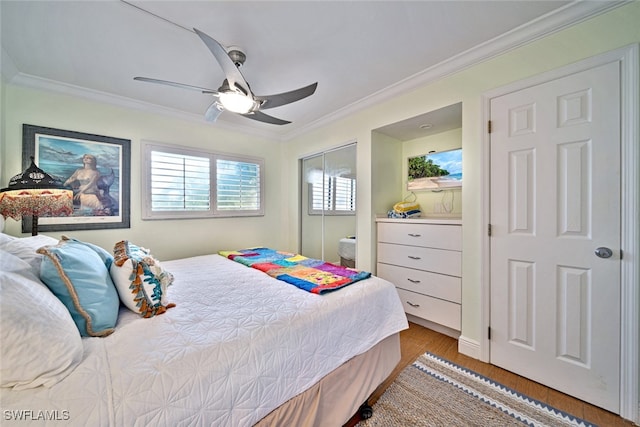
(405,209)
(312,275)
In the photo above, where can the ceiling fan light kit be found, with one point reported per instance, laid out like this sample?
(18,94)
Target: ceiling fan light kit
(235,95)
(237,102)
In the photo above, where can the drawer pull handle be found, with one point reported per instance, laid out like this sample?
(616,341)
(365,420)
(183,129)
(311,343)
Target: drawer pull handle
(414,235)
(413,257)
(413,280)
(413,305)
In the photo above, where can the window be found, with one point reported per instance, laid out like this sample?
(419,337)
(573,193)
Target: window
(181,183)
(237,185)
(337,195)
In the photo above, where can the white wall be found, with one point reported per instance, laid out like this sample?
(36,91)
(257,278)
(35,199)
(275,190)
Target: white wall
(386,188)
(603,33)
(166,239)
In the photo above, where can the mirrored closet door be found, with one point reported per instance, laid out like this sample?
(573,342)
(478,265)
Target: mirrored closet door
(328,205)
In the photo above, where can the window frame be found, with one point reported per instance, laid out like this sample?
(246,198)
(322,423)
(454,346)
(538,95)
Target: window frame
(213,212)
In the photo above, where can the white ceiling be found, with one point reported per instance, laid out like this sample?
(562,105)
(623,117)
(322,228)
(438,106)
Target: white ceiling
(359,52)
(430,123)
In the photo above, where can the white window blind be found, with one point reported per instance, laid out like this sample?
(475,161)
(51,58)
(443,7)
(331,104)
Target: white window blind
(238,185)
(320,194)
(344,194)
(334,195)
(180,183)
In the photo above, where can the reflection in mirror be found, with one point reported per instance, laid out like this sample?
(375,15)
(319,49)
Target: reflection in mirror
(328,206)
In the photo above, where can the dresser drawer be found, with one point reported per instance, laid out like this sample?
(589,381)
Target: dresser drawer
(427,235)
(434,260)
(435,310)
(423,282)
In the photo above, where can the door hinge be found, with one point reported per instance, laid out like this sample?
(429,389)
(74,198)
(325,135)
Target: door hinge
(489,230)
(489,127)
(489,333)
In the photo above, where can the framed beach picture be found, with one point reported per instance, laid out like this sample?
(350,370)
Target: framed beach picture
(435,171)
(97,168)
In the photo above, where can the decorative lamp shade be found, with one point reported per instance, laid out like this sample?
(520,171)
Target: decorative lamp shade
(35,193)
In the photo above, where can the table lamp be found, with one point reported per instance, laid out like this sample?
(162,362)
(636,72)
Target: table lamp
(35,193)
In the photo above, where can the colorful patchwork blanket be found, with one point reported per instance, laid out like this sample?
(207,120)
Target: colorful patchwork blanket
(312,275)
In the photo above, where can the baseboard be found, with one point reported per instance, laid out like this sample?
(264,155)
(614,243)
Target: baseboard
(469,347)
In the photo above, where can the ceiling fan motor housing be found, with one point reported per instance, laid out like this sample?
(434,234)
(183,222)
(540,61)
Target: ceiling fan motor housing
(237,55)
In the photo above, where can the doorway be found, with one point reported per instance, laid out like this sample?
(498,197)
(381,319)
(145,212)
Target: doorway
(520,292)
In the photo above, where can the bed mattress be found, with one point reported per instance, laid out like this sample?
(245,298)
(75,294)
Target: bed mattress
(347,248)
(237,345)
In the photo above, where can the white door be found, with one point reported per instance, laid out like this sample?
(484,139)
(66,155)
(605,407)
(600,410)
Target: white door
(555,199)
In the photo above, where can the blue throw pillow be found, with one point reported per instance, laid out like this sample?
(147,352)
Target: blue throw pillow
(78,274)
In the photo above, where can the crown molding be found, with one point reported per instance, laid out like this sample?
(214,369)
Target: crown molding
(8,69)
(552,22)
(34,82)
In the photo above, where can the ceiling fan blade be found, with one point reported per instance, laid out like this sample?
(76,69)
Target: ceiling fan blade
(180,85)
(279,99)
(262,117)
(212,113)
(233,74)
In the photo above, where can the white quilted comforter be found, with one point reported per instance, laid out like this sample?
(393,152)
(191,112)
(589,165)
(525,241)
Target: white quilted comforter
(237,345)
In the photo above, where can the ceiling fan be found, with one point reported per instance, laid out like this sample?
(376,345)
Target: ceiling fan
(234,94)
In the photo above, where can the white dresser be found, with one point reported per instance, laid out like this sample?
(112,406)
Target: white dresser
(423,258)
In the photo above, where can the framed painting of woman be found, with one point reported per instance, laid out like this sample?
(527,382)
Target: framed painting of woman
(97,168)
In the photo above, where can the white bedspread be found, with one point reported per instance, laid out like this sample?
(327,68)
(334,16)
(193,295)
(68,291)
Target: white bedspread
(237,345)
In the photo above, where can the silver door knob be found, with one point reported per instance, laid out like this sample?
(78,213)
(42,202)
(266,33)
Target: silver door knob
(603,252)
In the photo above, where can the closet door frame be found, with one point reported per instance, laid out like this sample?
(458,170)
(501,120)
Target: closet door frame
(305,202)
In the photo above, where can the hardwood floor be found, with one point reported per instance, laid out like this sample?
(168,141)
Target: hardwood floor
(416,340)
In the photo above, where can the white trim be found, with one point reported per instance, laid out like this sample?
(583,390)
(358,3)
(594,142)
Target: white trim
(469,347)
(39,83)
(557,20)
(630,333)
(8,69)
(328,150)
(301,213)
(630,215)
(485,242)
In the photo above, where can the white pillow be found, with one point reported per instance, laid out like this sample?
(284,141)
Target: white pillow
(5,237)
(41,344)
(25,248)
(140,279)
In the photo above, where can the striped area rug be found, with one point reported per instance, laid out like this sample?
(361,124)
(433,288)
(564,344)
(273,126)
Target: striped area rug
(435,392)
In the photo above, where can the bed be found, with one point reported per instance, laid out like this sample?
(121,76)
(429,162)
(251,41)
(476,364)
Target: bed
(347,251)
(239,348)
